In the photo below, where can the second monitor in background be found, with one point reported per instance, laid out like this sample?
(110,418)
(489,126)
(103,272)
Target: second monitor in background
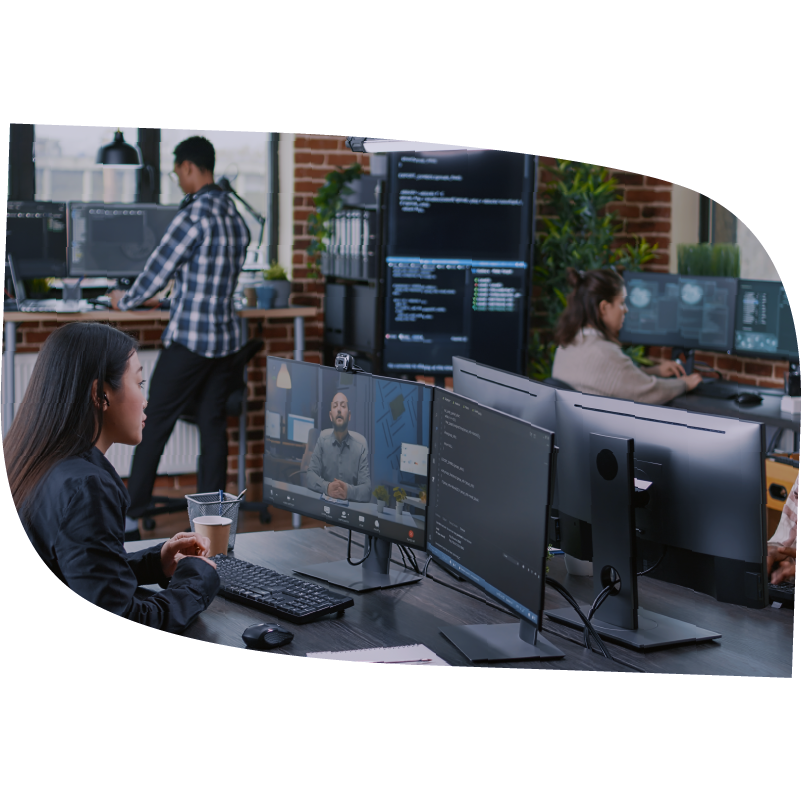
(350,449)
(114,239)
(764,321)
(36,238)
(680,311)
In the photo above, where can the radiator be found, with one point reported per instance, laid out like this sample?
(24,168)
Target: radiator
(182,449)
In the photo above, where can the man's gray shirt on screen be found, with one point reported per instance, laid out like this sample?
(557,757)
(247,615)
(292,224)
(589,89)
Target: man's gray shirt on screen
(346,461)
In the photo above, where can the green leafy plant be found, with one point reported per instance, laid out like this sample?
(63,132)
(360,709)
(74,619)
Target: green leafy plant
(381,493)
(706,259)
(399,493)
(275,272)
(329,200)
(579,233)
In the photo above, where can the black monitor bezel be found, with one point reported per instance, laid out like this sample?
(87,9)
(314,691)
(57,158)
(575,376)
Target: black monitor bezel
(494,592)
(365,529)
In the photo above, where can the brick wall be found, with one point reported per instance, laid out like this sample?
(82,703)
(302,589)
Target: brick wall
(754,372)
(315,157)
(644,209)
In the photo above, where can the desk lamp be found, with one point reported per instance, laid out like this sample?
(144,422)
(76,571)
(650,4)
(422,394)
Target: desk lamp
(225,185)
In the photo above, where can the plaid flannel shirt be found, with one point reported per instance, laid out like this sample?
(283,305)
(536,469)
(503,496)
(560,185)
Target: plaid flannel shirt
(203,250)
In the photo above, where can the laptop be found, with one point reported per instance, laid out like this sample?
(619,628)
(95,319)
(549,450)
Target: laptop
(23,304)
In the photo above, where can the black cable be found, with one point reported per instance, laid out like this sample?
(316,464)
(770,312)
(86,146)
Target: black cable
(656,564)
(366,556)
(569,598)
(596,604)
(564,636)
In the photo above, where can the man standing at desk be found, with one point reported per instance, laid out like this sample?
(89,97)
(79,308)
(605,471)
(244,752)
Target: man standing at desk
(203,250)
(339,467)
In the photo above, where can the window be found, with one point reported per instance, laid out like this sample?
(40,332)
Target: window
(66,169)
(239,156)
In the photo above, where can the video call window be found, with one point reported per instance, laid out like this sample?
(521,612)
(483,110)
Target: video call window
(350,449)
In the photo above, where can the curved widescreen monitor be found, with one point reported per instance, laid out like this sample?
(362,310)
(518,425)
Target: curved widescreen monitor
(349,449)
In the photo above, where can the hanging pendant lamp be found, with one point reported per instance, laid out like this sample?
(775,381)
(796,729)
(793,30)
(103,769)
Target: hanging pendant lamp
(119,154)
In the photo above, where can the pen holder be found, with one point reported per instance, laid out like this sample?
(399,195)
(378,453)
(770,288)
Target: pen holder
(208,503)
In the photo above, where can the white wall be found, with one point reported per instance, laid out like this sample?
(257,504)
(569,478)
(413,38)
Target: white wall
(684,216)
(754,260)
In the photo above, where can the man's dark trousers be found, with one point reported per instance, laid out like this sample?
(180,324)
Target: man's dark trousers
(181,376)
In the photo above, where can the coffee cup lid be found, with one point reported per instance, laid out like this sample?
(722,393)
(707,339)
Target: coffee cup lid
(213,520)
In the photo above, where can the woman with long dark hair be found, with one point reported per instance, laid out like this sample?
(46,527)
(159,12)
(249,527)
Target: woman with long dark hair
(84,395)
(589,356)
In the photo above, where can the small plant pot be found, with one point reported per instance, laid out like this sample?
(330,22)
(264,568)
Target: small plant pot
(282,290)
(399,511)
(380,505)
(265,296)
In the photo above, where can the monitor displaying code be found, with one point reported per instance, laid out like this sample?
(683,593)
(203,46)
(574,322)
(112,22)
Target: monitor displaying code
(458,259)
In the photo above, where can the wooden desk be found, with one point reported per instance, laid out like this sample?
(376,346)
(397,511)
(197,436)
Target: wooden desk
(12,319)
(754,642)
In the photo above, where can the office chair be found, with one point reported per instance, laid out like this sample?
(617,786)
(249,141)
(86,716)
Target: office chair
(233,408)
(555,382)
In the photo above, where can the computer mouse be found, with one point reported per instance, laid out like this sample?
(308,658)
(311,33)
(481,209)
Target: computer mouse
(263,636)
(748,399)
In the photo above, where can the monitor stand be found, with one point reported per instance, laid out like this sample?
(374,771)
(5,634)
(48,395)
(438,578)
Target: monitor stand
(374,573)
(621,618)
(501,642)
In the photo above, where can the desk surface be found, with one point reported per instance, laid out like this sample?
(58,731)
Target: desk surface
(153,314)
(768,412)
(755,642)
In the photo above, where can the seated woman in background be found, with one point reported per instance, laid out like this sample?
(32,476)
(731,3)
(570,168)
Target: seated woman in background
(84,395)
(589,356)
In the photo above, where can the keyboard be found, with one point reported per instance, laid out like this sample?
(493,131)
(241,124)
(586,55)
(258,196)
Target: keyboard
(783,593)
(718,389)
(287,597)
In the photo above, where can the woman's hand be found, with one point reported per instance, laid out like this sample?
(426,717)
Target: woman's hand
(182,545)
(670,369)
(692,380)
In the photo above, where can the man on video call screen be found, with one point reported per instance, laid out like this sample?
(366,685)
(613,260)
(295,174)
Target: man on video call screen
(339,466)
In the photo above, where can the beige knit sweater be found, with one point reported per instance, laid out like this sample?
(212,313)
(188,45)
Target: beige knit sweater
(593,364)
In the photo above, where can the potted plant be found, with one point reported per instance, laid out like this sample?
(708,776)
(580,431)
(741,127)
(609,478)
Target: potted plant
(400,497)
(276,277)
(381,496)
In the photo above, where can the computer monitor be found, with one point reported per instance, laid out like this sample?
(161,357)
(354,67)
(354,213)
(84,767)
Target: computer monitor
(114,239)
(680,311)
(366,433)
(458,259)
(764,322)
(700,490)
(488,520)
(536,403)
(36,238)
